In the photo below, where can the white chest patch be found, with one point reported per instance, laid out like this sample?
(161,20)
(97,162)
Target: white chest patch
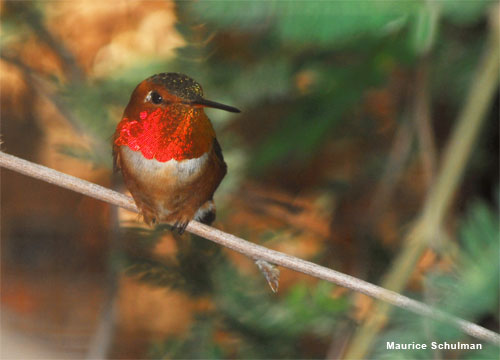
(150,168)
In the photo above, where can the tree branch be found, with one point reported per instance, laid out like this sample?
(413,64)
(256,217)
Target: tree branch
(249,249)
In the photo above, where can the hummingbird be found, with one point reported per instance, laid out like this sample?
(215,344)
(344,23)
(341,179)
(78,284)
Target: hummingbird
(167,151)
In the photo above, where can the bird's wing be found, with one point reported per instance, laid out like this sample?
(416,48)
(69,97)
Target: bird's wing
(218,151)
(218,154)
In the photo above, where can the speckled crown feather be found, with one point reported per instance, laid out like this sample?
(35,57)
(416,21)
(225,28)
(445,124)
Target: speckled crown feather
(179,85)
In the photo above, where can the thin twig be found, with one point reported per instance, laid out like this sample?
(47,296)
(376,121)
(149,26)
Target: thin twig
(422,121)
(249,249)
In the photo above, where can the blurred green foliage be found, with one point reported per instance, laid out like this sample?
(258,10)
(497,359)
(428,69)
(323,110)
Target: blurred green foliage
(305,23)
(299,70)
(259,325)
(470,291)
(345,47)
(190,270)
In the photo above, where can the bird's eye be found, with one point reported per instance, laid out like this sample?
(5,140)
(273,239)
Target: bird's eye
(156,98)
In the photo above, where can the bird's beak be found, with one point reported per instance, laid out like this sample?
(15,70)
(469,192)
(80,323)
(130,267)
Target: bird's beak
(215,105)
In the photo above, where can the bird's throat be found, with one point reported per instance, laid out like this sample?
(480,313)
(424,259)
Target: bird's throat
(163,135)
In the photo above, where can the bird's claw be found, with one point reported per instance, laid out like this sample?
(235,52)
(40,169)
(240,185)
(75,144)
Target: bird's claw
(180,227)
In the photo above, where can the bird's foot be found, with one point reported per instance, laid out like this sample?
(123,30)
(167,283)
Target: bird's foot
(180,226)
